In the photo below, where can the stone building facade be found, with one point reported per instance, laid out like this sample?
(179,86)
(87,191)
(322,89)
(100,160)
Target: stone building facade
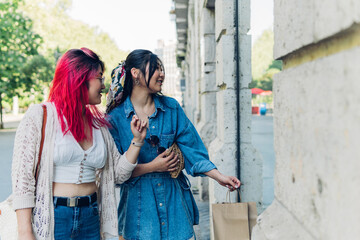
(316,122)
(167,53)
(214,50)
(316,113)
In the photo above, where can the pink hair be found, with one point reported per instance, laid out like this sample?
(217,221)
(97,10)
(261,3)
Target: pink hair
(69,92)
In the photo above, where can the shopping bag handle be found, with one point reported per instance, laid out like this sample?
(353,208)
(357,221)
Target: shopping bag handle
(228,195)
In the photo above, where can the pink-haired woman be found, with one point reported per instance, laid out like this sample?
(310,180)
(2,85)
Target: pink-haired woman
(79,163)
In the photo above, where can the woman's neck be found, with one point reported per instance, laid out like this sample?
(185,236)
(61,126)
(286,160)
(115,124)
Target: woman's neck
(143,103)
(141,98)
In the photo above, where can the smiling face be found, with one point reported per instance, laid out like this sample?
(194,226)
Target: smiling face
(153,85)
(96,86)
(157,79)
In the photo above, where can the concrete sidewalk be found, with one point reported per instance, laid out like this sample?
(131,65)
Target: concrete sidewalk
(202,231)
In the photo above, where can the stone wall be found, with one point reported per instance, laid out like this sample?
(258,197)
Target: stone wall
(211,92)
(316,122)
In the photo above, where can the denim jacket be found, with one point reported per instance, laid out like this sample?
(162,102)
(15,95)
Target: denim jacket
(154,205)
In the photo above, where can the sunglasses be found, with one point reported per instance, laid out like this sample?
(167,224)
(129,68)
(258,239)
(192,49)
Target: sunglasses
(154,141)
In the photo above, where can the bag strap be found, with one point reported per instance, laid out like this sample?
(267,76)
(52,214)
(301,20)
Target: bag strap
(41,142)
(228,195)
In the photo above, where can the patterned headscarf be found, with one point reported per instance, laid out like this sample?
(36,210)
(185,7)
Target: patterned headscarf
(116,88)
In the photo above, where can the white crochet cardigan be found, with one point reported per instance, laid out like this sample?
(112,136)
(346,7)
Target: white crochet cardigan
(26,150)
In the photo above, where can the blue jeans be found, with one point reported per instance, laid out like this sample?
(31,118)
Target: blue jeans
(77,222)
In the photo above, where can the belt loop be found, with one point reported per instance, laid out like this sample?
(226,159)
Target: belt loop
(90,203)
(55,201)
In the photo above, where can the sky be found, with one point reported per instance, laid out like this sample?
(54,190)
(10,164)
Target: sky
(262,17)
(130,23)
(140,23)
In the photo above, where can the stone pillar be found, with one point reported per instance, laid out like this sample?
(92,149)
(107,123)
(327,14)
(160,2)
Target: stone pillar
(207,125)
(250,163)
(223,149)
(191,93)
(316,122)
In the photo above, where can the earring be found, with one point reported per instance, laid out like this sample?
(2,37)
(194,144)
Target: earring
(137,82)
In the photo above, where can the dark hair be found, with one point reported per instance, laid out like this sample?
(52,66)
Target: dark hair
(69,91)
(139,58)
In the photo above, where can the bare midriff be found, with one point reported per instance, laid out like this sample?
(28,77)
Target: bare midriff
(73,190)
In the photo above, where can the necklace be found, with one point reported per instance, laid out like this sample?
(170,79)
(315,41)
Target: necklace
(143,115)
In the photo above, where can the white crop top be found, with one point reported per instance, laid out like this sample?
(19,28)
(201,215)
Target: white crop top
(72,164)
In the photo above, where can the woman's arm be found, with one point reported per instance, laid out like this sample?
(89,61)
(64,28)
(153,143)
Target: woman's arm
(26,146)
(160,164)
(125,164)
(24,220)
(138,129)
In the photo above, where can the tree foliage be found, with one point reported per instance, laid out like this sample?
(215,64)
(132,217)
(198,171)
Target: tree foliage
(18,47)
(17,43)
(263,64)
(59,30)
(34,34)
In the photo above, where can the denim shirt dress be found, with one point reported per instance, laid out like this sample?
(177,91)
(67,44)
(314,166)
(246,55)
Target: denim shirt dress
(154,205)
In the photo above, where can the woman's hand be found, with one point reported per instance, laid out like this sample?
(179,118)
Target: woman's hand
(165,164)
(227,181)
(138,129)
(160,164)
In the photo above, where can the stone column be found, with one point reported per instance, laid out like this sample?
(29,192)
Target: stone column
(316,122)
(207,125)
(191,93)
(250,163)
(223,149)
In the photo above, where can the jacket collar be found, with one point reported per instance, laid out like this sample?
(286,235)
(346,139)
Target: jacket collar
(129,108)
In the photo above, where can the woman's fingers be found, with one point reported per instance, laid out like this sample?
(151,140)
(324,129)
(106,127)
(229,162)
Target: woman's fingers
(134,121)
(162,155)
(171,155)
(173,159)
(143,125)
(172,169)
(234,183)
(171,166)
(138,124)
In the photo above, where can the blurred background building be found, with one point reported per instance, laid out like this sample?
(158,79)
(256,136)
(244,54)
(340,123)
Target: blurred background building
(167,53)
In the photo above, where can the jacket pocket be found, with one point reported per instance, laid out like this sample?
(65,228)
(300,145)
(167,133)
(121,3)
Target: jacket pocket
(166,140)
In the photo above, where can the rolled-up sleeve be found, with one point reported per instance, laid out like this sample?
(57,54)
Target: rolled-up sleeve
(192,147)
(26,143)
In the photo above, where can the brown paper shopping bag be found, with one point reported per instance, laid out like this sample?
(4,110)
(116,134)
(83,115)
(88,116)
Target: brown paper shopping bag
(233,221)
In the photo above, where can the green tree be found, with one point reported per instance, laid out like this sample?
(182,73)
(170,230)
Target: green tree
(59,30)
(17,43)
(262,53)
(263,64)
(265,81)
